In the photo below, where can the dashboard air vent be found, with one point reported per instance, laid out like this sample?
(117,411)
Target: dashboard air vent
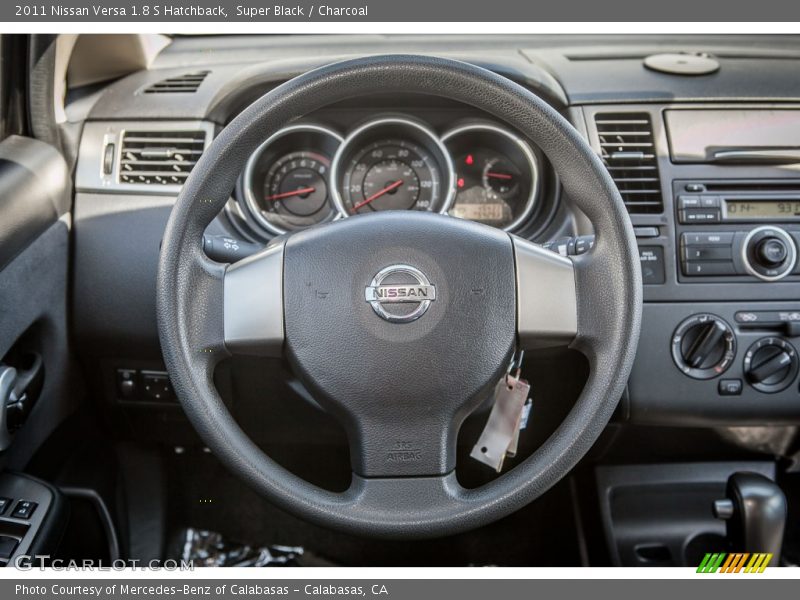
(159,157)
(626,144)
(181,84)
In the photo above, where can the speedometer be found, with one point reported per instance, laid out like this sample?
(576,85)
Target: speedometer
(392,175)
(392,164)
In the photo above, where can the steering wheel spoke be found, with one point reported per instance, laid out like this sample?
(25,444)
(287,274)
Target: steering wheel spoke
(547,301)
(253,297)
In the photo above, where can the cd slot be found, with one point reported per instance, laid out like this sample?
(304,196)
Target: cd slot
(753,187)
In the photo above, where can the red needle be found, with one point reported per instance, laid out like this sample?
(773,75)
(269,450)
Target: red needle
(299,192)
(499,175)
(376,195)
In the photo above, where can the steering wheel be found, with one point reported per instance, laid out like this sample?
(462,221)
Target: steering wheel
(401,387)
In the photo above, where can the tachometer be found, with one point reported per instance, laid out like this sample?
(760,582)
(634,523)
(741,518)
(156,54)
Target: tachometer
(392,164)
(297,184)
(286,181)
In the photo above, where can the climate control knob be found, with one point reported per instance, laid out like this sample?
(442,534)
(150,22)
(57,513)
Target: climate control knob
(771,364)
(769,253)
(703,346)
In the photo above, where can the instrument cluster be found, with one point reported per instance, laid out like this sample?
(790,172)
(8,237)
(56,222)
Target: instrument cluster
(307,174)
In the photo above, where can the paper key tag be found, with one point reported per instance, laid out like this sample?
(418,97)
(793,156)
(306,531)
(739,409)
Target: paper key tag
(503,424)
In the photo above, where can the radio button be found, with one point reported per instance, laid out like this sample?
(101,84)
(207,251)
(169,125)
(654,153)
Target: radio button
(688,202)
(707,253)
(710,201)
(699,215)
(696,268)
(716,238)
(646,232)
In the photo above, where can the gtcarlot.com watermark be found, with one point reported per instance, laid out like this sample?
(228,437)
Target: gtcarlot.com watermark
(44,561)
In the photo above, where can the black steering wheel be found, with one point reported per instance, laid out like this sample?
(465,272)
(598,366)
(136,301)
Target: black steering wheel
(401,387)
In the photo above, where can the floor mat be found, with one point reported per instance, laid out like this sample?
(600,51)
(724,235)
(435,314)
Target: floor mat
(205,548)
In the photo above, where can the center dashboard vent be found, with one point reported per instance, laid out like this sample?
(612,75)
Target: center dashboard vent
(159,157)
(628,151)
(181,84)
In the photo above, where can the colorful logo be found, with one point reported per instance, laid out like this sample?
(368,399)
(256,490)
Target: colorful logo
(734,563)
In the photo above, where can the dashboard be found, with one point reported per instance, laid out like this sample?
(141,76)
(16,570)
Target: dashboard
(707,166)
(310,173)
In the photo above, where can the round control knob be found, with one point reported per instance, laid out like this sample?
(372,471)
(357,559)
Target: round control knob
(703,346)
(771,364)
(769,253)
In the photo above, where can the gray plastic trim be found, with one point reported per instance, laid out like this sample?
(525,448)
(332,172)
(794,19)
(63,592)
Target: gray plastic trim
(253,303)
(547,304)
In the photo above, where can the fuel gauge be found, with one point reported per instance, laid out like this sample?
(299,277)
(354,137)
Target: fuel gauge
(501,177)
(496,175)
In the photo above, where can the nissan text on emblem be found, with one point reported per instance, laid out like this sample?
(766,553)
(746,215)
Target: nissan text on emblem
(400,293)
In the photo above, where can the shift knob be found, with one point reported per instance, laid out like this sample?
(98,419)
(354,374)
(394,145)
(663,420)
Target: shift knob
(755,513)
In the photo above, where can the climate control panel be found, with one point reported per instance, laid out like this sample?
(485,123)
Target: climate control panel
(704,347)
(717,364)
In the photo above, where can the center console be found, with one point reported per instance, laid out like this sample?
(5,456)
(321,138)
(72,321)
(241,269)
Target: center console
(721,319)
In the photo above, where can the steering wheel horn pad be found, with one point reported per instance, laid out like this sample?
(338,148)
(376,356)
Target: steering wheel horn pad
(401,387)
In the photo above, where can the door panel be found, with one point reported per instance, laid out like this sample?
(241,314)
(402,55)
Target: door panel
(35,191)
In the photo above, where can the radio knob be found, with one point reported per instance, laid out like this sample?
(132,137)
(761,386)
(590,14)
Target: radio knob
(769,253)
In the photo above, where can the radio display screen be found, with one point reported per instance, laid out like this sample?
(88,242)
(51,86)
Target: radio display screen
(759,209)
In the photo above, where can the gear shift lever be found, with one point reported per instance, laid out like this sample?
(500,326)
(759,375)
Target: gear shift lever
(755,513)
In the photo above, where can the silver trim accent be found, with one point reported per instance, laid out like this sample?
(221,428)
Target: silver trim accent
(781,233)
(336,195)
(524,147)
(96,135)
(253,303)
(547,301)
(373,293)
(247,177)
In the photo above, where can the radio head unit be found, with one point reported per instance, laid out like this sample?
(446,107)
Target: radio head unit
(738,229)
